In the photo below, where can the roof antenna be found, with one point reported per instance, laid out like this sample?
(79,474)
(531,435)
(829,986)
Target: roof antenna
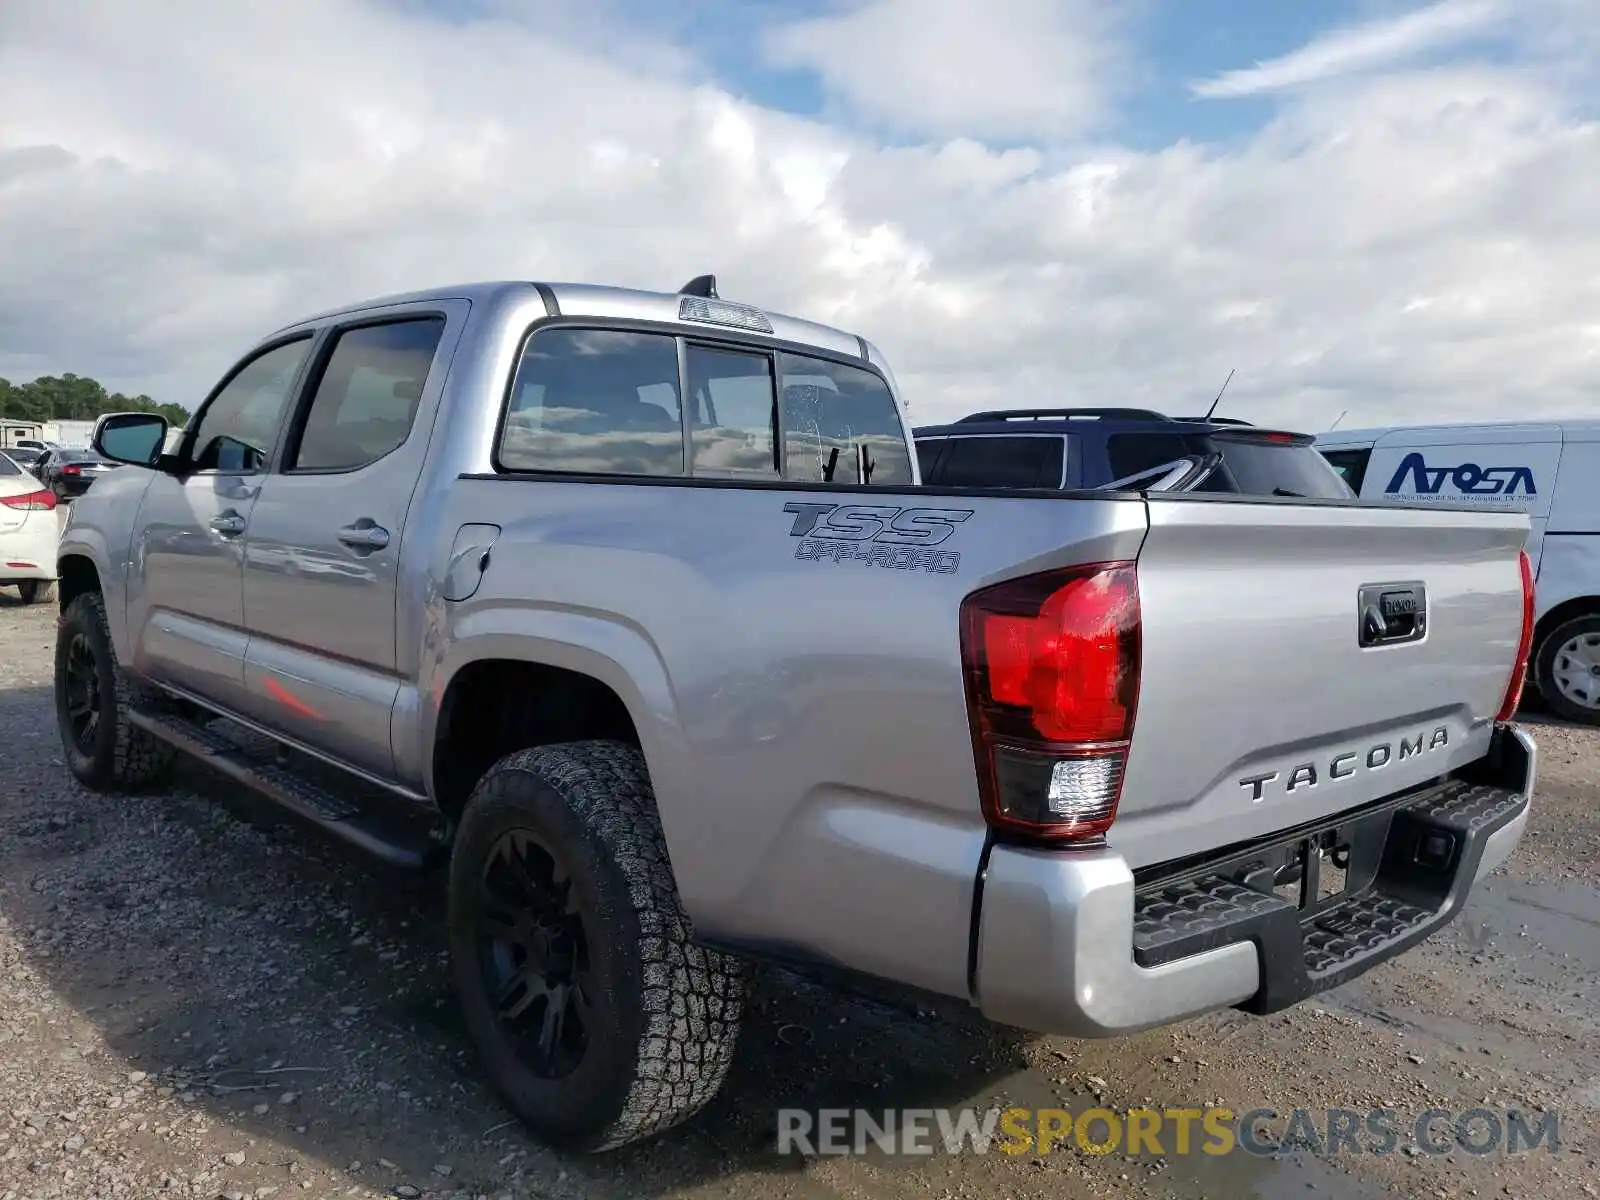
(1218,400)
(700,285)
(1342,416)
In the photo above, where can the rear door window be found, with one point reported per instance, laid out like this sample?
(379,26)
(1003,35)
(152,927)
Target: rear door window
(1000,462)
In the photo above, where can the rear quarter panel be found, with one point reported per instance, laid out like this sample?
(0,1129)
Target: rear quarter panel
(799,699)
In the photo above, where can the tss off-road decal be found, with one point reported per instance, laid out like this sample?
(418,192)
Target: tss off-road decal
(880,535)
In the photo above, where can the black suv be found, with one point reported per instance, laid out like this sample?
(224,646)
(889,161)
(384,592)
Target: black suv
(1123,449)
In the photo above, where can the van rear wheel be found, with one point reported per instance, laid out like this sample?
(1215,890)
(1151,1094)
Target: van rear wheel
(1566,670)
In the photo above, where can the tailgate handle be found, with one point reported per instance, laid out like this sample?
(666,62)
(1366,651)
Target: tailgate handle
(1391,613)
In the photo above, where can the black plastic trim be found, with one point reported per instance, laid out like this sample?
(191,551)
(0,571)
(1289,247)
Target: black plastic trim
(785,485)
(546,293)
(1392,900)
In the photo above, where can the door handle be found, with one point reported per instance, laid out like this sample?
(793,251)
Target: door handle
(228,523)
(364,537)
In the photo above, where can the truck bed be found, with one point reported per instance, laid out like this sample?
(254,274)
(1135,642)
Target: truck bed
(792,657)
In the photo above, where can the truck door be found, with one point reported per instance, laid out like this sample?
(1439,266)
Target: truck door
(323,552)
(186,592)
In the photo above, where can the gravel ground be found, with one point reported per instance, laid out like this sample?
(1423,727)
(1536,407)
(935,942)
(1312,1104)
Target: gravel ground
(199,998)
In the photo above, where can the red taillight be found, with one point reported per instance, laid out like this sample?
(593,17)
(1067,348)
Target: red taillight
(72,469)
(1519,669)
(1052,672)
(31,501)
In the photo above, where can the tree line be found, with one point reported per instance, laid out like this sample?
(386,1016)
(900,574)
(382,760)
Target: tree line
(75,398)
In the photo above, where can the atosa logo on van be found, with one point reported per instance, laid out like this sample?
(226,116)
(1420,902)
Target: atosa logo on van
(1467,478)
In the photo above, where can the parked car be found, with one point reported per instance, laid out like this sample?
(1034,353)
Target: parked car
(1121,449)
(70,473)
(25,457)
(630,607)
(28,531)
(1549,470)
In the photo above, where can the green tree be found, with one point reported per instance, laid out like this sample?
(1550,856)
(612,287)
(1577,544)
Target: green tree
(75,398)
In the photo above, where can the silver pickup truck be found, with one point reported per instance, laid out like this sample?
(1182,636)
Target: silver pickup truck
(631,609)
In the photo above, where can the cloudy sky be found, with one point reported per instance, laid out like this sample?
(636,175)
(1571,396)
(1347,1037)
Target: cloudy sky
(1361,205)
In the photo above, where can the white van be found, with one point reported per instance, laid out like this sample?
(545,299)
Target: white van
(1548,469)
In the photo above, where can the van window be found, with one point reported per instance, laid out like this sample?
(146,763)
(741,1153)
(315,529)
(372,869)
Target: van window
(1350,464)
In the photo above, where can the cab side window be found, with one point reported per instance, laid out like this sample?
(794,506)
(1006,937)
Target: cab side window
(239,428)
(366,399)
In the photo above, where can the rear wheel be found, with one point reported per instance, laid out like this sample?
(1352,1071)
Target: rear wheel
(93,697)
(1567,670)
(598,1017)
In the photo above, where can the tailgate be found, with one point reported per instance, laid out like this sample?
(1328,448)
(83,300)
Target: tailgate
(1260,709)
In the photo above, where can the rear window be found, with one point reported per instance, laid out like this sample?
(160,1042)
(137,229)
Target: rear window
(8,468)
(994,462)
(1134,453)
(840,424)
(1269,469)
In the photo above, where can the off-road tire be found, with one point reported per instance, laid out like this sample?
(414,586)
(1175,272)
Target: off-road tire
(667,1010)
(1544,670)
(36,591)
(122,756)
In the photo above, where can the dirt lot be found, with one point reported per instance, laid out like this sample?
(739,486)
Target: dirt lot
(199,999)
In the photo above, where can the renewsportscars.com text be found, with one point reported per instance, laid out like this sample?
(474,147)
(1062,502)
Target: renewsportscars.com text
(1264,1132)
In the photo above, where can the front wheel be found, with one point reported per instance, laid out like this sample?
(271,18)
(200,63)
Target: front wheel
(103,748)
(1566,670)
(598,1017)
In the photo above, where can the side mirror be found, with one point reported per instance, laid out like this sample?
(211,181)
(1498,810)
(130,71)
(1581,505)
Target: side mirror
(134,438)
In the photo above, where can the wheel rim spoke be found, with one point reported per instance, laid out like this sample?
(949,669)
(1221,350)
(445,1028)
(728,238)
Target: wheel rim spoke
(81,687)
(534,953)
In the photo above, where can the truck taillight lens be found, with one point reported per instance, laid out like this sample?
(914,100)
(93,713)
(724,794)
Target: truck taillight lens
(1052,673)
(1519,669)
(31,501)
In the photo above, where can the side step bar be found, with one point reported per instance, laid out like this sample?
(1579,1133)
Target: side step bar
(380,827)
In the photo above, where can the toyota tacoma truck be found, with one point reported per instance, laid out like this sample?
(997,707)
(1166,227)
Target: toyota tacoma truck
(630,612)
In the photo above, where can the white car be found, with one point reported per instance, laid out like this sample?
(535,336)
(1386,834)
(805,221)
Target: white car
(29,532)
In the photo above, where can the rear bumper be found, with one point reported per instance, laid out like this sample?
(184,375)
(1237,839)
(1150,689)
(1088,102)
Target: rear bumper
(29,552)
(1072,942)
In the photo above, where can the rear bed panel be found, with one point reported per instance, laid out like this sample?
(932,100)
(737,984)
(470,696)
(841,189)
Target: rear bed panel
(1253,679)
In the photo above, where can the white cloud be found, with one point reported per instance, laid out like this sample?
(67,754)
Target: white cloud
(1381,42)
(1416,245)
(1002,68)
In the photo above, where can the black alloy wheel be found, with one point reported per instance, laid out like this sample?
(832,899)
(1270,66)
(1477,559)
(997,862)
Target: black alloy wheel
(82,698)
(534,954)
